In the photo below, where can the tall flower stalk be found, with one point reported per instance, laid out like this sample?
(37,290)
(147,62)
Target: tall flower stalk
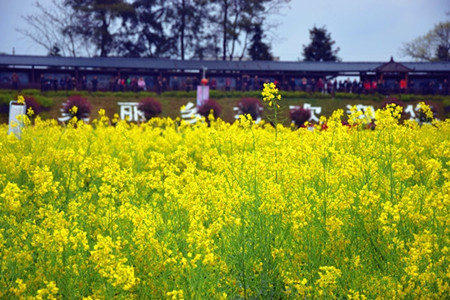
(271,94)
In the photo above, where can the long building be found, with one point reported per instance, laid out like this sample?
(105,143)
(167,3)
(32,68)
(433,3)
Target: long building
(55,72)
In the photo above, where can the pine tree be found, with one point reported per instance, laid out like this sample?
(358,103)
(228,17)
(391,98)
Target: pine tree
(321,46)
(258,49)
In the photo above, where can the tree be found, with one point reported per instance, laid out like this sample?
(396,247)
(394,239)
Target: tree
(153,28)
(95,21)
(190,23)
(55,51)
(434,46)
(143,32)
(320,47)
(49,29)
(235,20)
(258,49)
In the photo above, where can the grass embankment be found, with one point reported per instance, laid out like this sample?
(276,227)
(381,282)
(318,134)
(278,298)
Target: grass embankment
(172,101)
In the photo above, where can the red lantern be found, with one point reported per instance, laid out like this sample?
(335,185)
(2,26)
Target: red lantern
(204,81)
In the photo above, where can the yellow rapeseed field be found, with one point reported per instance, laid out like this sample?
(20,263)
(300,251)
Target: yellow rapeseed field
(167,210)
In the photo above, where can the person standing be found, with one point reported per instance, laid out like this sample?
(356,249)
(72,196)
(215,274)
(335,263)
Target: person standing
(188,84)
(55,84)
(94,83)
(238,83)
(15,81)
(304,84)
(74,84)
(68,83)
(256,83)
(293,84)
(84,83)
(213,83)
(142,84)
(175,83)
(227,83)
(42,83)
(62,83)
(445,87)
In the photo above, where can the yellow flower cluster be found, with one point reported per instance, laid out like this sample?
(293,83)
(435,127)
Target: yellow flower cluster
(20,99)
(169,210)
(271,94)
(73,110)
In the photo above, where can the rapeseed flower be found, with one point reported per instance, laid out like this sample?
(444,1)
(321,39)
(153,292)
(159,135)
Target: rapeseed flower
(20,99)
(270,94)
(165,210)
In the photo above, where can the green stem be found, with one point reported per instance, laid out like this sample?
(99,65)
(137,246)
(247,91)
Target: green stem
(275,117)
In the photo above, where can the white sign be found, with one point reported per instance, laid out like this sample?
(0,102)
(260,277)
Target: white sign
(189,113)
(314,110)
(129,111)
(15,123)
(410,109)
(66,116)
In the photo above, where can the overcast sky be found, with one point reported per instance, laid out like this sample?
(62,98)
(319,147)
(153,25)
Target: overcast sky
(364,30)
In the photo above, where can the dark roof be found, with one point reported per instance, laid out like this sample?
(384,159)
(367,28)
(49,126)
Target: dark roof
(393,66)
(172,64)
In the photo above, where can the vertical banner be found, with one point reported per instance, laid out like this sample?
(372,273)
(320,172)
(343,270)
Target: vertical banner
(15,124)
(202,94)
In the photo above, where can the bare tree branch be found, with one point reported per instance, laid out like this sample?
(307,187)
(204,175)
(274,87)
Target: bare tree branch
(434,46)
(51,27)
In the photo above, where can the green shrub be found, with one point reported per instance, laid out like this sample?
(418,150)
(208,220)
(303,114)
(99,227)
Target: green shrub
(5,98)
(122,94)
(4,103)
(346,96)
(295,95)
(180,94)
(43,101)
(31,92)
(145,94)
(103,94)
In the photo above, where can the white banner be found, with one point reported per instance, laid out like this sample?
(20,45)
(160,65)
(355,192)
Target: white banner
(202,94)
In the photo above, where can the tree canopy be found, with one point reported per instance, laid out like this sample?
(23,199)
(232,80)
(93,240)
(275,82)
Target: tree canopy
(433,46)
(154,28)
(321,46)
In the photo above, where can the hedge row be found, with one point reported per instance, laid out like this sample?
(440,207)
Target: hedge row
(215,94)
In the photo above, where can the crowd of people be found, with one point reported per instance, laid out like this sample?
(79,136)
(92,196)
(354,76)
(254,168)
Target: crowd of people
(67,83)
(367,86)
(161,84)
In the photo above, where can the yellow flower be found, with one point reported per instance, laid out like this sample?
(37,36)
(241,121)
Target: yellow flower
(20,289)
(30,111)
(21,100)
(426,110)
(73,110)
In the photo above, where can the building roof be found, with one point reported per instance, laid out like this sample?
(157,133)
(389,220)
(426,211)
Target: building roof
(393,67)
(243,66)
